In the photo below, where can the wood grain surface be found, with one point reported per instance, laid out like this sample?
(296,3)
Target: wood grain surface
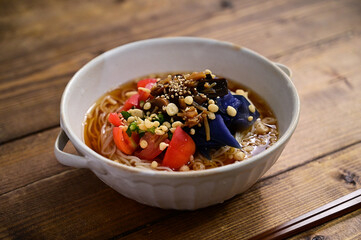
(42,45)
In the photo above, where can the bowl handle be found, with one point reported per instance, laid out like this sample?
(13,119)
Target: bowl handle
(67,158)
(284,69)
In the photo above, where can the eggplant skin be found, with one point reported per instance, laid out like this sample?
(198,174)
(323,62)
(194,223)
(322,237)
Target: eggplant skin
(220,136)
(239,122)
(223,127)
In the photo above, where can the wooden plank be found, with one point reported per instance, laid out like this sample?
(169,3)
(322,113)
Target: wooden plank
(29,160)
(329,92)
(72,204)
(33,82)
(268,204)
(75,204)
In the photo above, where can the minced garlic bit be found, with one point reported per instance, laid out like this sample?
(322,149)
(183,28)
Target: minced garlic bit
(144,89)
(251,108)
(167,124)
(213,108)
(241,92)
(131,119)
(163,146)
(159,132)
(231,111)
(142,126)
(207,71)
(130,93)
(177,124)
(163,128)
(211,116)
(143,144)
(172,129)
(156,124)
(261,128)
(211,101)
(188,100)
(250,118)
(192,131)
(148,124)
(171,109)
(147,106)
(136,112)
(248,148)
(184,168)
(154,164)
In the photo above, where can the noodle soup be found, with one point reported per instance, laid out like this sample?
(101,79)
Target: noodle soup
(180,122)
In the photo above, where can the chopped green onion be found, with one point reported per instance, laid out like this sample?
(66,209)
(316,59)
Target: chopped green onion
(170,135)
(152,130)
(133,126)
(129,132)
(126,115)
(160,118)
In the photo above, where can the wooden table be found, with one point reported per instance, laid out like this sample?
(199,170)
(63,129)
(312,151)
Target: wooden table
(43,43)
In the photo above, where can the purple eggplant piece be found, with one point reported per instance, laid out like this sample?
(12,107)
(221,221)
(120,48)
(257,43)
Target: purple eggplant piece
(227,100)
(204,147)
(240,121)
(221,134)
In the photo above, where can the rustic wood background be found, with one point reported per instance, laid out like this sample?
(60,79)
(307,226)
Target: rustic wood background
(43,43)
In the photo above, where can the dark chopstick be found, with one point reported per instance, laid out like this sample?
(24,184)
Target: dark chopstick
(332,210)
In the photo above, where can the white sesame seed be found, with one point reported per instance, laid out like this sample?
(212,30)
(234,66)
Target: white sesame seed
(172,130)
(211,101)
(250,118)
(156,124)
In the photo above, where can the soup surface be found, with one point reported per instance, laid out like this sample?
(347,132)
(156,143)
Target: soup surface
(180,122)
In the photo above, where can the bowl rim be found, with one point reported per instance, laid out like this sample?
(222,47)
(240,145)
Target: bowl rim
(87,151)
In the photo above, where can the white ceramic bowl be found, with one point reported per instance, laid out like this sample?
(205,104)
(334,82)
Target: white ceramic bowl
(176,190)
